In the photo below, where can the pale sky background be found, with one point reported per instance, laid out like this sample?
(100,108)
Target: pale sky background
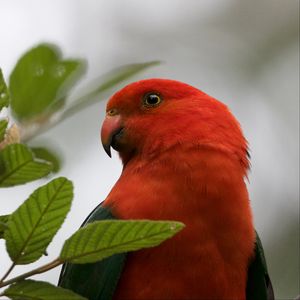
(245,53)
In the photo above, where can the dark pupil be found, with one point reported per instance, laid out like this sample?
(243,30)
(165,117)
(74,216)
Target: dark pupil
(152,99)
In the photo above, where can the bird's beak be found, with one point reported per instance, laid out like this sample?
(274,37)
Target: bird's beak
(111,128)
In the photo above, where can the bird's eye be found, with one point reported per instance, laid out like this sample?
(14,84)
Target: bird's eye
(152,99)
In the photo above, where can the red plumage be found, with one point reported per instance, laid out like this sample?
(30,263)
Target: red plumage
(184,159)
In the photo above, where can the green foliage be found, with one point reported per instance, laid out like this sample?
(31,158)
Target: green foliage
(32,226)
(41,80)
(18,165)
(3,125)
(39,290)
(3,224)
(4,102)
(4,95)
(101,239)
(47,155)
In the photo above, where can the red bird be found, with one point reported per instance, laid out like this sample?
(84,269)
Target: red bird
(185,158)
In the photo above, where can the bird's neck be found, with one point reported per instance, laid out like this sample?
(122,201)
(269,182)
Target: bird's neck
(196,178)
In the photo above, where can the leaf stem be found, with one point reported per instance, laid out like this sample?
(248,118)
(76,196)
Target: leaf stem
(7,273)
(42,269)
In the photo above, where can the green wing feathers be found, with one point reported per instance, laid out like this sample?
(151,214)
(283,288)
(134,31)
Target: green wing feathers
(95,281)
(259,286)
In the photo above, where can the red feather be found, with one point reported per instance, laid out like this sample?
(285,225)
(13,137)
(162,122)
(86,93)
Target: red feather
(184,160)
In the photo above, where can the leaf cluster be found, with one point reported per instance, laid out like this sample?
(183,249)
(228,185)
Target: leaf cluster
(40,97)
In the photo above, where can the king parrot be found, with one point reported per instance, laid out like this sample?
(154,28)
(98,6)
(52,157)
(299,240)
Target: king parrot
(184,158)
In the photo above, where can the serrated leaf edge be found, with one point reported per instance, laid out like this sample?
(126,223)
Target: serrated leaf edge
(174,227)
(38,222)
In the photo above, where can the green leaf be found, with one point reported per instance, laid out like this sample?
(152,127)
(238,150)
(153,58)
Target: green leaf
(3,125)
(18,166)
(104,84)
(4,95)
(39,290)
(41,80)
(47,155)
(102,239)
(3,224)
(94,93)
(32,226)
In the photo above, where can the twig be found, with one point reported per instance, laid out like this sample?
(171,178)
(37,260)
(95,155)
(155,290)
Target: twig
(39,270)
(7,273)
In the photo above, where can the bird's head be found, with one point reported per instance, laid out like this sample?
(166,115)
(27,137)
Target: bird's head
(152,116)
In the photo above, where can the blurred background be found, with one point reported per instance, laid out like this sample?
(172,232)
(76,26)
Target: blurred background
(244,53)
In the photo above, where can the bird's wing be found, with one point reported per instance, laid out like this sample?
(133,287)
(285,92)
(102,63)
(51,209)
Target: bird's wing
(96,281)
(259,286)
